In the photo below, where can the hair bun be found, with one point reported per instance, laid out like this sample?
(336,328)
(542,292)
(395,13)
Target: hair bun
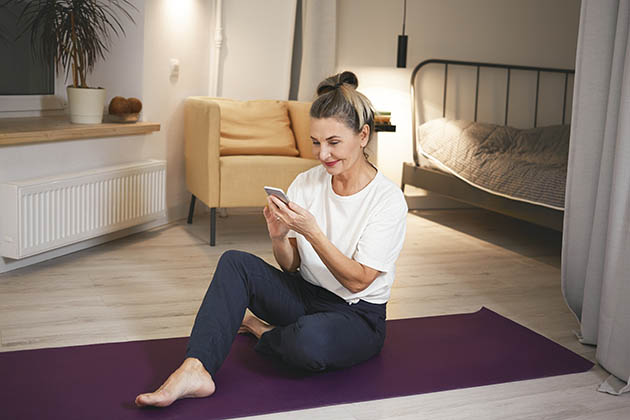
(335,82)
(349,78)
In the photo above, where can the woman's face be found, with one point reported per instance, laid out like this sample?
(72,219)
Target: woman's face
(337,146)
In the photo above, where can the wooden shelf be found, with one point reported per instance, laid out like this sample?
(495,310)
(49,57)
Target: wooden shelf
(45,129)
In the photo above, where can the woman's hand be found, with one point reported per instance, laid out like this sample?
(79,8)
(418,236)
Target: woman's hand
(276,227)
(294,217)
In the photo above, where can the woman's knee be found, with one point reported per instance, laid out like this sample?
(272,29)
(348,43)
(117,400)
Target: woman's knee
(237,269)
(309,358)
(234,260)
(320,346)
(311,348)
(233,256)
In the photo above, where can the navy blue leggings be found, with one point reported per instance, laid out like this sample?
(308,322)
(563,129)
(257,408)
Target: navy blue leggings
(314,328)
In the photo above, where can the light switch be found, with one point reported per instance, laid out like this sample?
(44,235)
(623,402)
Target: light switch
(174,67)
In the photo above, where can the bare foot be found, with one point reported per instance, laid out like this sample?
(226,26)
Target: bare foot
(255,326)
(190,380)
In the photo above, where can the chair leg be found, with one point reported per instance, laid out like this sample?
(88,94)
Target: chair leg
(213,225)
(191,210)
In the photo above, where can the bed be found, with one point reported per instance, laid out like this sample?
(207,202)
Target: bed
(493,136)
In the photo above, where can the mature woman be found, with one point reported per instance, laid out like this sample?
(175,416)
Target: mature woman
(336,241)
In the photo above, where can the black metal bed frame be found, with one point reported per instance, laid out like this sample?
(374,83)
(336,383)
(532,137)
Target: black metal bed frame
(453,187)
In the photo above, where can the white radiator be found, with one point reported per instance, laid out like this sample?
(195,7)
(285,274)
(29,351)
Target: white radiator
(42,214)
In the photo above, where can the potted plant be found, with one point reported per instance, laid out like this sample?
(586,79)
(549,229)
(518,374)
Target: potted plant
(74,34)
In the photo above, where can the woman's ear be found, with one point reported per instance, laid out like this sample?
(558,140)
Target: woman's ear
(365,135)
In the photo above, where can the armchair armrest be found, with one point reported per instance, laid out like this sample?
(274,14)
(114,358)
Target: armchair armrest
(202,119)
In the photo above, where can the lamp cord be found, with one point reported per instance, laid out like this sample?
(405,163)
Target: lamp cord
(404,16)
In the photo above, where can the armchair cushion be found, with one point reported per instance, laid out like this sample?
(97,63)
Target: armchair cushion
(260,127)
(301,124)
(243,177)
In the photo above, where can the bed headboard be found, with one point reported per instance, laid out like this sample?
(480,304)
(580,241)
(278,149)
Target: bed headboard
(521,96)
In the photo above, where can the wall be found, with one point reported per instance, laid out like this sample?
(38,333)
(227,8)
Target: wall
(176,29)
(257,49)
(526,32)
(137,65)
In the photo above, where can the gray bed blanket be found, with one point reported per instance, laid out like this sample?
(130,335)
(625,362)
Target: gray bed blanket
(528,165)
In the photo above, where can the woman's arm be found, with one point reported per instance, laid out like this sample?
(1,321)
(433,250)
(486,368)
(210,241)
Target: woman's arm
(353,275)
(286,253)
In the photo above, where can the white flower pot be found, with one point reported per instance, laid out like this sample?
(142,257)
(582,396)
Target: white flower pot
(86,105)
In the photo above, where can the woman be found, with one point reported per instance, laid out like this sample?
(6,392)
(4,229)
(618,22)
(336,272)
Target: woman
(343,228)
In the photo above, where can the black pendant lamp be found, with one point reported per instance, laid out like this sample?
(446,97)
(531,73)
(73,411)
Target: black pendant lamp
(401,60)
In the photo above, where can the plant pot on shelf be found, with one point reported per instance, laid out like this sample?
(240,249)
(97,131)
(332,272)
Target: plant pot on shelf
(86,105)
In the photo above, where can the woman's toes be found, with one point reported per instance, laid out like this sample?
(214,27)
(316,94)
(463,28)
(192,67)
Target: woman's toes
(159,398)
(143,399)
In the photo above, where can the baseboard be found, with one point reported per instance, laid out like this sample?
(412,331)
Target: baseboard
(433,202)
(172,214)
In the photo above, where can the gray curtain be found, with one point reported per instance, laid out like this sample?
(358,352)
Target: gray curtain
(596,241)
(314,47)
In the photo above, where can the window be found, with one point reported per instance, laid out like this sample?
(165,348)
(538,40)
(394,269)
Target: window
(26,84)
(20,72)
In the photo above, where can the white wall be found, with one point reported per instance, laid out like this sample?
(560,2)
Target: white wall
(122,72)
(178,29)
(525,32)
(138,65)
(257,49)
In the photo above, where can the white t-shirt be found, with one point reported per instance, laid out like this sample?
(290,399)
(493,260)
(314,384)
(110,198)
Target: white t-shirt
(368,226)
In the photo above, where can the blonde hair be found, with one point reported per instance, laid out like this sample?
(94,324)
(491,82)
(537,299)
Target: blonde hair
(338,98)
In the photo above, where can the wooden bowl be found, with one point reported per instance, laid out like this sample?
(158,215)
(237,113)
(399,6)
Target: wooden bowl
(124,118)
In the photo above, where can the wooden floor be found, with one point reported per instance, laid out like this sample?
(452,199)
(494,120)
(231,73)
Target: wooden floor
(150,285)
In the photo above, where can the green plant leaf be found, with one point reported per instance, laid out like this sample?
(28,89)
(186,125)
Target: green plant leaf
(73,34)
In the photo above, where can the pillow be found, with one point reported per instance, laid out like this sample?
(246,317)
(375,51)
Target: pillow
(260,127)
(299,112)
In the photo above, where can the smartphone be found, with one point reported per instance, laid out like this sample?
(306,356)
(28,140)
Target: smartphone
(278,193)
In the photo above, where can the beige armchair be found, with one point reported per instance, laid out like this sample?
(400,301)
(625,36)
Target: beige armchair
(234,148)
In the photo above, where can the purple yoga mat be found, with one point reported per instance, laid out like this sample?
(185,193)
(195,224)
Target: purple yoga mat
(420,355)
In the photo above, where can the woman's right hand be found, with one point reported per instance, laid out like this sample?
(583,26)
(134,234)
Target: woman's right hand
(277,228)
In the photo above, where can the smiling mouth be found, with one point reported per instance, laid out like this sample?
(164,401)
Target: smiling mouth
(331,163)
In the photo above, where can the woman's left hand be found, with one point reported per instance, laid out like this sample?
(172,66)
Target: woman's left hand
(296,218)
